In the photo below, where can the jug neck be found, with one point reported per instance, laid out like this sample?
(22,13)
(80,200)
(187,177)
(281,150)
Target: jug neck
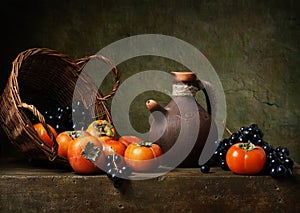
(185,84)
(181,89)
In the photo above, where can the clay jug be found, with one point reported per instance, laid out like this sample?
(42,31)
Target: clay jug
(182,118)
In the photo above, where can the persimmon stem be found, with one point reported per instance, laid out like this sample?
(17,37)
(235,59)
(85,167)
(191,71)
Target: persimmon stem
(145,144)
(91,152)
(247,146)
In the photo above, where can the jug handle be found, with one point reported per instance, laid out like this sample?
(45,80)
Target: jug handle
(210,96)
(211,145)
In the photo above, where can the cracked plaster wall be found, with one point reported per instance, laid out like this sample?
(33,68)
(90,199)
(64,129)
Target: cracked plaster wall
(253,46)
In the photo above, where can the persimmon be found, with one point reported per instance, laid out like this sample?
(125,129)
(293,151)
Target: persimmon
(42,133)
(113,146)
(102,129)
(245,158)
(65,138)
(128,139)
(142,157)
(85,155)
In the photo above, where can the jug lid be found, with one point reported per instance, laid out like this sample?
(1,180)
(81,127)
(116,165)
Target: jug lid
(184,76)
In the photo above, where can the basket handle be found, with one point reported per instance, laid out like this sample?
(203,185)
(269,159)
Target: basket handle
(108,96)
(52,152)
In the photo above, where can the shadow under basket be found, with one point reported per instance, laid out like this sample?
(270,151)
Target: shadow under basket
(43,78)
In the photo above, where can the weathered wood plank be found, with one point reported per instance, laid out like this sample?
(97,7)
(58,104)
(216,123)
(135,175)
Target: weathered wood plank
(33,189)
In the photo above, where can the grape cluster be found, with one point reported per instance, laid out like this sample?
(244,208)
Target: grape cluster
(60,118)
(116,169)
(82,114)
(278,162)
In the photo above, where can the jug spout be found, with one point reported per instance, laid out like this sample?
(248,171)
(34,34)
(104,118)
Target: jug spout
(153,106)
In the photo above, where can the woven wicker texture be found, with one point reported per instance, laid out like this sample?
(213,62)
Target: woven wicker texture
(42,78)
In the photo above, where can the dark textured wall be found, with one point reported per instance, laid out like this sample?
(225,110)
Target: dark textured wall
(253,46)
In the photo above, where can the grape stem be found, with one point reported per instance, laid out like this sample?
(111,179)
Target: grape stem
(113,157)
(226,128)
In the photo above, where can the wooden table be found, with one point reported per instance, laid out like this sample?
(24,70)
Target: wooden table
(27,188)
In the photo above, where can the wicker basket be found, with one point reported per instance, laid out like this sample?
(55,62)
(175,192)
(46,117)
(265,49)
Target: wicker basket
(41,77)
